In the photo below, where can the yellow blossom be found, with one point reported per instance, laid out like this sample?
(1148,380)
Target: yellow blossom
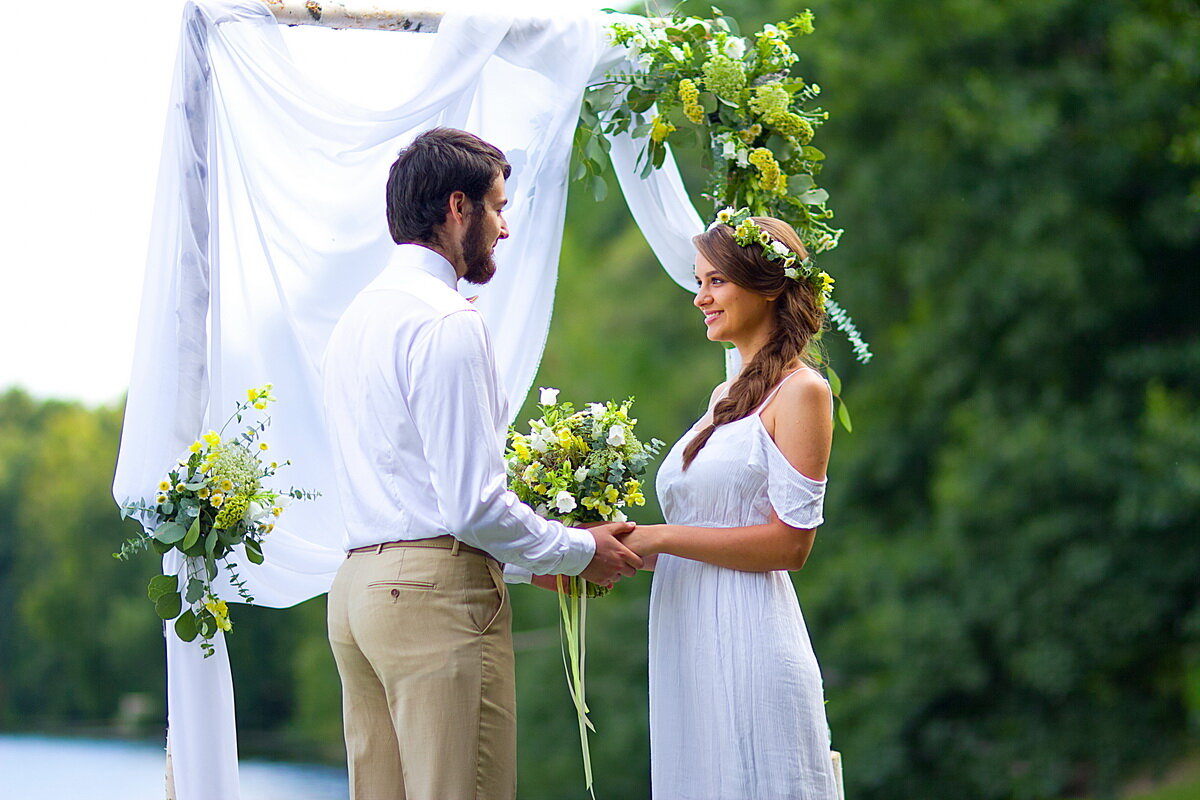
(212,438)
(203,493)
(197,446)
(220,612)
(179,487)
(263,446)
(689,94)
(260,405)
(270,526)
(660,129)
(162,498)
(216,499)
(164,486)
(276,511)
(611,495)
(225,485)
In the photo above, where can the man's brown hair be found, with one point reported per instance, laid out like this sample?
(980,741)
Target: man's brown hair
(436,164)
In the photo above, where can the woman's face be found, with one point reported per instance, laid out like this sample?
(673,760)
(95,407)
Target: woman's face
(731,313)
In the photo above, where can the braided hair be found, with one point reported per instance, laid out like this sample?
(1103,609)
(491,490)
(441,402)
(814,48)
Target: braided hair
(798,318)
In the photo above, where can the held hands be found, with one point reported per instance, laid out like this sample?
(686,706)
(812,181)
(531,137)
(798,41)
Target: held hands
(621,548)
(613,560)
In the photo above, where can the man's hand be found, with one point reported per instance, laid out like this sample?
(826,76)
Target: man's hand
(612,559)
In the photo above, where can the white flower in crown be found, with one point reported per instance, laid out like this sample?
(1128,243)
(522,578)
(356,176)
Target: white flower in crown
(780,248)
(725,215)
(735,47)
(597,409)
(616,435)
(581,474)
(792,273)
(789,261)
(564,502)
(548,397)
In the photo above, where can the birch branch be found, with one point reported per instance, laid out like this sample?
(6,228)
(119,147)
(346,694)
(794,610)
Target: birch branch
(333,14)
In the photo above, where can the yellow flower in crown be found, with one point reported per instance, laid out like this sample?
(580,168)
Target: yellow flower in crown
(212,438)
(611,495)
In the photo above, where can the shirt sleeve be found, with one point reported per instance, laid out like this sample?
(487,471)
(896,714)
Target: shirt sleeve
(455,399)
(798,500)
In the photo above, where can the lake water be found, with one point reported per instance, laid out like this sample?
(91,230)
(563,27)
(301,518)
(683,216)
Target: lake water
(47,768)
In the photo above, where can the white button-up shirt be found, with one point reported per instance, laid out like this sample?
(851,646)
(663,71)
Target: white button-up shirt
(418,419)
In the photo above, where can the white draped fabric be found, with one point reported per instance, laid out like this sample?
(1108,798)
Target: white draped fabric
(269,219)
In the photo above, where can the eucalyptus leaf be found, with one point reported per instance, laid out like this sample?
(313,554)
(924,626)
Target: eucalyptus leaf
(814,197)
(195,590)
(800,183)
(599,188)
(169,532)
(185,626)
(168,605)
(160,585)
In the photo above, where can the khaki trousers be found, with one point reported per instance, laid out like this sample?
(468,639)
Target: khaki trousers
(422,636)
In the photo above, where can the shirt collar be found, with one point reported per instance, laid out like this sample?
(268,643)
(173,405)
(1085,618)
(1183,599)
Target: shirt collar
(415,256)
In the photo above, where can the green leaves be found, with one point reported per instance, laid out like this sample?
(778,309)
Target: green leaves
(185,626)
(169,532)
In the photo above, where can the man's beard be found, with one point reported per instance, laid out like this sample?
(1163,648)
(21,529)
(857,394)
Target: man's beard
(477,251)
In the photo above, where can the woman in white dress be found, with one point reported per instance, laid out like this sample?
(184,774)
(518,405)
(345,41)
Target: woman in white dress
(736,706)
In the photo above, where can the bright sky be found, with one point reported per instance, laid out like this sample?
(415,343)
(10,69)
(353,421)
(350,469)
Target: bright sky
(86,87)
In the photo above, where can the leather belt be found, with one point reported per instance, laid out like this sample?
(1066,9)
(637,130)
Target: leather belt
(445,542)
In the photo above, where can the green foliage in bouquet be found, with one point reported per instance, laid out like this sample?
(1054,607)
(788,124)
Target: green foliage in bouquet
(211,502)
(579,467)
(701,84)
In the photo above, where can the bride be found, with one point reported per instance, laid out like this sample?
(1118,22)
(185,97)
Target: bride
(736,708)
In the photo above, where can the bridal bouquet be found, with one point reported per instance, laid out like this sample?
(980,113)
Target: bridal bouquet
(579,467)
(212,501)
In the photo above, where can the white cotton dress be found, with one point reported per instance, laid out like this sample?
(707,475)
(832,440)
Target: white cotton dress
(736,706)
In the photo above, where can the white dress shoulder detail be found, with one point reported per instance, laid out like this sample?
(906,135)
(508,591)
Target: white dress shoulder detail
(736,704)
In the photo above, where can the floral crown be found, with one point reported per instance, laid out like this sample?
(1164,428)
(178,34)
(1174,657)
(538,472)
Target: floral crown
(748,233)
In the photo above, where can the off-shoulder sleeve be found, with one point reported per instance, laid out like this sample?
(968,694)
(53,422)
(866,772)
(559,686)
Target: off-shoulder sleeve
(797,499)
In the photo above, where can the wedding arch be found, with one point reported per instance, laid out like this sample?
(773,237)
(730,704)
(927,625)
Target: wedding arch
(268,221)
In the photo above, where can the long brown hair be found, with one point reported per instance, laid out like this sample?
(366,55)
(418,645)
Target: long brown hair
(798,318)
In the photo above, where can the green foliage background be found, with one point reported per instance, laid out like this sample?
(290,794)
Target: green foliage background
(1006,597)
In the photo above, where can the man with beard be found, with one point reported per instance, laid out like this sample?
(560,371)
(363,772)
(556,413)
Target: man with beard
(419,619)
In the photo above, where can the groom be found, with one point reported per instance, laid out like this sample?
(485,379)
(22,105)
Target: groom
(419,619)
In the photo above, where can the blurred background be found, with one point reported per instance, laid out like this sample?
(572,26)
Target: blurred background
(1005,597)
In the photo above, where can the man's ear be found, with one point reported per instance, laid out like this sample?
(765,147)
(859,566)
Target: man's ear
(457,208)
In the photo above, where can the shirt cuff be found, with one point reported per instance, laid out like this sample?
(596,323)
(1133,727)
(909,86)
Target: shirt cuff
(515,574)
(581,548)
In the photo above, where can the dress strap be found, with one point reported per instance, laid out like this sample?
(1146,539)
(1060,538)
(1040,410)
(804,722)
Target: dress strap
(771,394)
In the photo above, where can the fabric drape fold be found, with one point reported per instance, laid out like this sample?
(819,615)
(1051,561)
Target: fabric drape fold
(270,218)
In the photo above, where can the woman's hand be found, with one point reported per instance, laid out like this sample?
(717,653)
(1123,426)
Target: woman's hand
(647,542)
